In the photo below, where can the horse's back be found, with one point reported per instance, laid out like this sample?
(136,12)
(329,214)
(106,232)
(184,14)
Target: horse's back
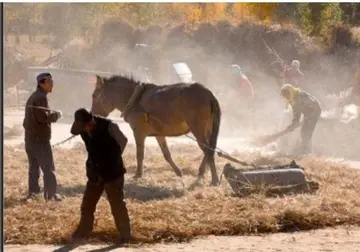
(174,93)
(174,102)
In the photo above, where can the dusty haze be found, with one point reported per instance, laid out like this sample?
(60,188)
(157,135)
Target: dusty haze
(209,50)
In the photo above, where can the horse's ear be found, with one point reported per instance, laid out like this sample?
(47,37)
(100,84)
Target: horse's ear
(99,81)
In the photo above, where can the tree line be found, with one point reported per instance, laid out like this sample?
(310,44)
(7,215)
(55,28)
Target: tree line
(84,19)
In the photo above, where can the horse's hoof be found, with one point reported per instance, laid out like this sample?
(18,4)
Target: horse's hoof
(200,177)
(214,183)
(179,173)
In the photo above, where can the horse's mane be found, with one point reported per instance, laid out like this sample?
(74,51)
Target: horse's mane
(117,78)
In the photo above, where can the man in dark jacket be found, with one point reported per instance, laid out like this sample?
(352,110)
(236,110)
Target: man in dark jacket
(105,170)
(37,125)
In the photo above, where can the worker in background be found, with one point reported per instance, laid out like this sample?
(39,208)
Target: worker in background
(293,75)
(246,88)
(302,103)
(354,96)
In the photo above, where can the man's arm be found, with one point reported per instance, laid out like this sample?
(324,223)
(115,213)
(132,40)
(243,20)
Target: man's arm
(116,133)
(41,115)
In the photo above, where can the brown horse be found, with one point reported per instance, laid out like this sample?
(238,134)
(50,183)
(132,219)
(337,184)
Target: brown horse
(160,111)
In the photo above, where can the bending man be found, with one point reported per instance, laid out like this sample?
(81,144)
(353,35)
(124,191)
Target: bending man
(302,103)
(105,170)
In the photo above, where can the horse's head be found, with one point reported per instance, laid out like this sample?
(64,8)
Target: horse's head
(100,104)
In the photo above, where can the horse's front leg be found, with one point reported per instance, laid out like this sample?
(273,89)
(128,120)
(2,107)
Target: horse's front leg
(167,155)
(138,124)
(140,148)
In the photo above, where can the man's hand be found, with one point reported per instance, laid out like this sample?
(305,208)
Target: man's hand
(59,113)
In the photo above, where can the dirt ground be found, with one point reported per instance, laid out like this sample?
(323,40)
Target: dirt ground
(339,239)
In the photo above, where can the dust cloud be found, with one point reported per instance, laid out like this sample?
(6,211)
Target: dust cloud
(209,50)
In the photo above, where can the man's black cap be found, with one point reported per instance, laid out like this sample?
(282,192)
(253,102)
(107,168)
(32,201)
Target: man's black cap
(81,116)
(42,76)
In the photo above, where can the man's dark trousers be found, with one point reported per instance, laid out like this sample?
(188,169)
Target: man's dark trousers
(115,195)
(40,155)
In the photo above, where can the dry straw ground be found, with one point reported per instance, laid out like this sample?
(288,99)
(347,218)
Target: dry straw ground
(160,210)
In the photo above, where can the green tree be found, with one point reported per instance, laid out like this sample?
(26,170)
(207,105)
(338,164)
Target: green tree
(304,16)
(286,12)
(331,14)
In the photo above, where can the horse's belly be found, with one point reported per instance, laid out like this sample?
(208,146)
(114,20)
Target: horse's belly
(168,116)
(161,129)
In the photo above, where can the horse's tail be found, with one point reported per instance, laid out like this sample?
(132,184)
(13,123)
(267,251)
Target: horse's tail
(216,118)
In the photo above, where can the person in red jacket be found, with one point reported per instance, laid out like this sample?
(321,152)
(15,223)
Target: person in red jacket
(293,75)
(245,86)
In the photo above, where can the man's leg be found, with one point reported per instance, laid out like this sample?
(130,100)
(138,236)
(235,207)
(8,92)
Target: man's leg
(34,168)
(46,160)
(306,134)
(115,194)
(91,197)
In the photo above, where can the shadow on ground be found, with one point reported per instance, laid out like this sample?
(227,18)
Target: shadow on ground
(71,191)
(66,248)
(142,193)
(132,191)
(71,247)
(11,202)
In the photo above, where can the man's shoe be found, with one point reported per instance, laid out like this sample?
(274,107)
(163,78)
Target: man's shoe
(56,197)
(123,240)
(31,197)
(79,234)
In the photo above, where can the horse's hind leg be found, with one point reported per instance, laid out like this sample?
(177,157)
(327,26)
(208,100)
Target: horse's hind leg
(167,155)
(203,143)
(211,162)
(202,168)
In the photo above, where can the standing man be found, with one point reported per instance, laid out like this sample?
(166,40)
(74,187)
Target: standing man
(37,125)
(105,170)
(302,103)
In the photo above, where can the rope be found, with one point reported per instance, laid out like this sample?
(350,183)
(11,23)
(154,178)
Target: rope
(64,141)
(39,107)
(30,106)
(222,153)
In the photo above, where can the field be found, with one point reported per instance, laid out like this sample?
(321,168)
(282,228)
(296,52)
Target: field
(161,210)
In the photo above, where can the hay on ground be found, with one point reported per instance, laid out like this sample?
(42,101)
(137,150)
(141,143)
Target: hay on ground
(160,210)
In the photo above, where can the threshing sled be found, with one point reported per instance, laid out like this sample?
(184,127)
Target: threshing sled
(278,180)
